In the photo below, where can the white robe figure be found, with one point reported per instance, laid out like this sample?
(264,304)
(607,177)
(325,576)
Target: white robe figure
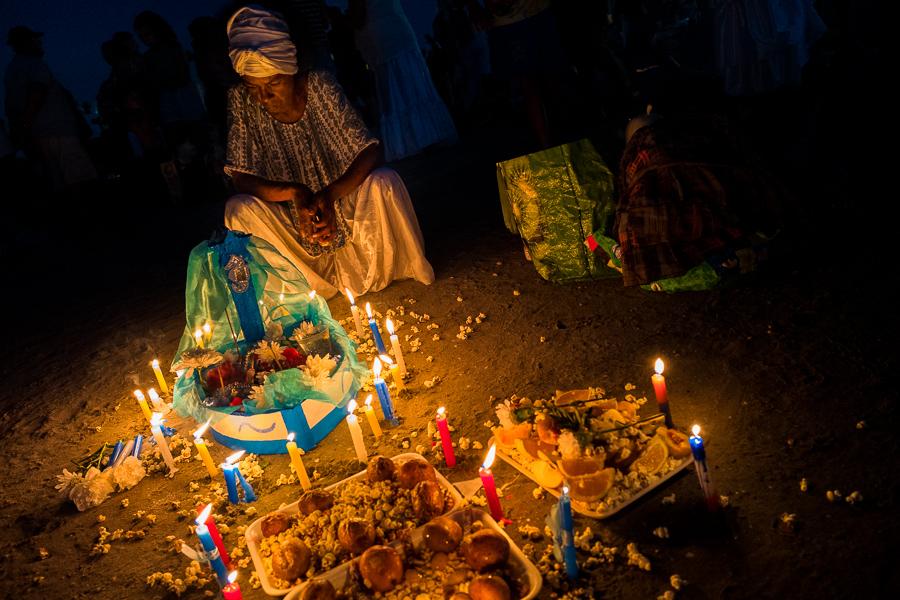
(381,236)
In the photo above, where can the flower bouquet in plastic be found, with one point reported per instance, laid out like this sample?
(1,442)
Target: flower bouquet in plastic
(261,354)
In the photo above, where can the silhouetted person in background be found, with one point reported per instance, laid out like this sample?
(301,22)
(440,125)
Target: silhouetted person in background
(210,53)
(413,116)
(180,107)
(357,81)
(42,117)
(525,43)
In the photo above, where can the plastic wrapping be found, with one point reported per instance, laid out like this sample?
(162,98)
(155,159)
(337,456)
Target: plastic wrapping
(555,199)
(241,284)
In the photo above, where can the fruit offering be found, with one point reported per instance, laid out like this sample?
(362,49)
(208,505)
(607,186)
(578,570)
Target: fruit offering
(600,448)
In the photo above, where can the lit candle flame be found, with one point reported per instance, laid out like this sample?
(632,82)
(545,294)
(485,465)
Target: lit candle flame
(290,437)
(565,491)
(198,335)
(376,368)
(201,520)
(390,326)
(155,363)
(139,394)
(441,411)
(199,433)
(386,359)
(207,329)
(368,310)
(489,459)
(235,457)
(369,402)
(232,576)
(352,406)
(659,366)
(350,296)
(156,420)
(696,429)
(281,298)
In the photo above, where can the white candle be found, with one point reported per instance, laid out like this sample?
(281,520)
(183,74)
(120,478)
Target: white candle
(159,377)
(395,344)
(156,428)
(356,433)
(356,320)
(154,398)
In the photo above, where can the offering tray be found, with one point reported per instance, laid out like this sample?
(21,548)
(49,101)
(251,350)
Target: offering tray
(339,572)
(521,567)
(583,508)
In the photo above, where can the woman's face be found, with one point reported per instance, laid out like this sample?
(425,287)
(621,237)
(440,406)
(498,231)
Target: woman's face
(275,93)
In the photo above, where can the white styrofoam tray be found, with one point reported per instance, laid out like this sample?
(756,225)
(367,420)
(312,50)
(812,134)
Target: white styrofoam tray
(254,532)
(582,508)
(520,566)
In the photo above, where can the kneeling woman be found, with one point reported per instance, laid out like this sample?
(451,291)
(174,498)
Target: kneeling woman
(306,170)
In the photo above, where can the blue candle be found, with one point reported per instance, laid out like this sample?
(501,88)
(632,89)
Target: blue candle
(249,496)
(379,343)
(212,552)
(706,484)
(567,527)
(117,450)
(138,443)
(387,407)
(230,482)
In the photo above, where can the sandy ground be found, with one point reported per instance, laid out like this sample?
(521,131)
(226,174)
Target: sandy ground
(780,374)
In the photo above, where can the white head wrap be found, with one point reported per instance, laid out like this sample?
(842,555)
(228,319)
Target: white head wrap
(259,43)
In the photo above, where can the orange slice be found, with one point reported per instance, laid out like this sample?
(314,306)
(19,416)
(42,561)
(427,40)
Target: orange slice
(563,398)
(652,458)
(677,442)
(601,406)
(591,488)
(532,446)
(506,438)
(581,466)
(546,475)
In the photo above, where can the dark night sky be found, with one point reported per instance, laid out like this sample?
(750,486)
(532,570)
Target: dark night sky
(74,29)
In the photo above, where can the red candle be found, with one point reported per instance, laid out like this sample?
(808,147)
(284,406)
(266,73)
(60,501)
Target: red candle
(446,442)
(662,397)
(490,489)
(232,591)
(214,534)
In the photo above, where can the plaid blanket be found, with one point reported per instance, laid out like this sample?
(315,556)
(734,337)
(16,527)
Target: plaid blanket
(689,188)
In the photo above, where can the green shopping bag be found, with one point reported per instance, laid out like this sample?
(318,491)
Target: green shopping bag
(555,199)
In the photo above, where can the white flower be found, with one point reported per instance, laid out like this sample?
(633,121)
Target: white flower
(198,358)
(266,349)
(306,328)
(92,491)
(258,393)
(128,474)
(67,481)
(319,368)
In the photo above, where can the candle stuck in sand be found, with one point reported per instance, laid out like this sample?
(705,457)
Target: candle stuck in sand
(159,377)
(297,461)
(446,442)
(490,488)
